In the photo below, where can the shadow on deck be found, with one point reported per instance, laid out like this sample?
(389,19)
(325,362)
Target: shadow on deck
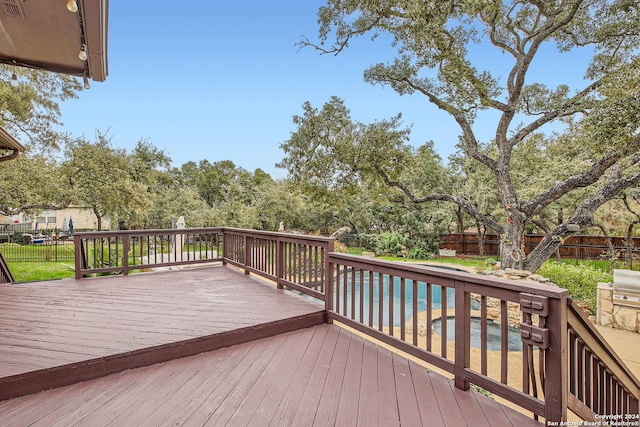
(236,351)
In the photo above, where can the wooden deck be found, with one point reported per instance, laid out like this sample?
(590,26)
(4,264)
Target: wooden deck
(234,351)
(60,332)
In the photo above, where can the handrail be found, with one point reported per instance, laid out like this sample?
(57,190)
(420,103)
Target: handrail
(118,252)
(294,261)
(600,382)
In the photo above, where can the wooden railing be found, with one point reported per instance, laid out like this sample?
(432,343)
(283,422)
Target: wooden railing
(404,300)
(599,381)
(398,303)
(5,272)
(118,252)
(545,356)
(293,261)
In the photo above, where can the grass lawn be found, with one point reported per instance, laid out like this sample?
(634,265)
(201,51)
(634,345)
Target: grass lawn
(34,271)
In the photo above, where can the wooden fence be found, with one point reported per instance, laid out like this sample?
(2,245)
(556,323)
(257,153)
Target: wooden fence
(575,247)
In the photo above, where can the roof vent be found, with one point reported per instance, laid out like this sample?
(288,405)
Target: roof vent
(12,8)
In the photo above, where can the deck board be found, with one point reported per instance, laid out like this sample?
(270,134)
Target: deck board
(310,399)
(286,411)
(408,406)
(387,402)
(426,395)
(368,403)
(347,414)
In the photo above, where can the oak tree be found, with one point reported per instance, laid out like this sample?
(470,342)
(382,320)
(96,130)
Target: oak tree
(596,109)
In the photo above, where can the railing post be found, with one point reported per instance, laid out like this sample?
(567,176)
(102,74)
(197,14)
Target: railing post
(279,262)
(247,254)
(125,254)
(328,286)
(556,385)
(463,336)
(77,243)
(224,247)
(330,248)
(6,276)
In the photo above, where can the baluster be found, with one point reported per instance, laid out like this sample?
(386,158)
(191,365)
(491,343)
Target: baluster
(392,298)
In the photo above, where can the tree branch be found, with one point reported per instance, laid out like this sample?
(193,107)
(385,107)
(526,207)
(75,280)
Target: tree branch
(580,181)
(563,111)
(341,44)
(12,210)
(469,137)
(463,203)
(519,71)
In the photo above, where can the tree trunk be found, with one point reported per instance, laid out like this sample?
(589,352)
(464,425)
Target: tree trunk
(607,239)
(549,244)
(547,230)
(629,244)
(512,245)
(459,220)
(99,219)
(481,232)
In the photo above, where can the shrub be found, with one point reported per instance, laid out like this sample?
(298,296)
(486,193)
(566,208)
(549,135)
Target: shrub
(419,253)
(387,243)
(393,244)
(581,280)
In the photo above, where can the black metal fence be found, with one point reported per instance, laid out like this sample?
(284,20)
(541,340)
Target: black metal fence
(34,246)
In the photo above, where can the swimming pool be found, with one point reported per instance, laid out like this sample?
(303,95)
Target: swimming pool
(368,291)
(493,334)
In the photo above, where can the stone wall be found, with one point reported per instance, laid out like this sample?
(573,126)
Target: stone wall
(614,315)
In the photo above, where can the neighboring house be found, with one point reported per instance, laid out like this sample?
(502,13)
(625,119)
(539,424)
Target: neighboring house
(58,219)
(83,219)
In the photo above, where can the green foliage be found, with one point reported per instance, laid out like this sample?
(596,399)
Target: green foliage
(30,110)
(395,244)
(419,252)
(31,183)
(101,178)
(385,243)
(581,280)
(482,391)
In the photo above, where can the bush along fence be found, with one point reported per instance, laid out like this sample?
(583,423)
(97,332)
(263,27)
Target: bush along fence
(622,253)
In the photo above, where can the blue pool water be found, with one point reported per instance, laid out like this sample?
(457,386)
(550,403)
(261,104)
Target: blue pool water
(362,293)
(436,298)
(493,334)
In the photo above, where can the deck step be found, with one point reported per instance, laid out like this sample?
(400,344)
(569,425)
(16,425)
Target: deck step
(58,376)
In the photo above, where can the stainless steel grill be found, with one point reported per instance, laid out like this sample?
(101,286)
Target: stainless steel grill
(626,287)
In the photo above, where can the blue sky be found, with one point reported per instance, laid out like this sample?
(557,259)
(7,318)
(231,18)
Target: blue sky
(222,80)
